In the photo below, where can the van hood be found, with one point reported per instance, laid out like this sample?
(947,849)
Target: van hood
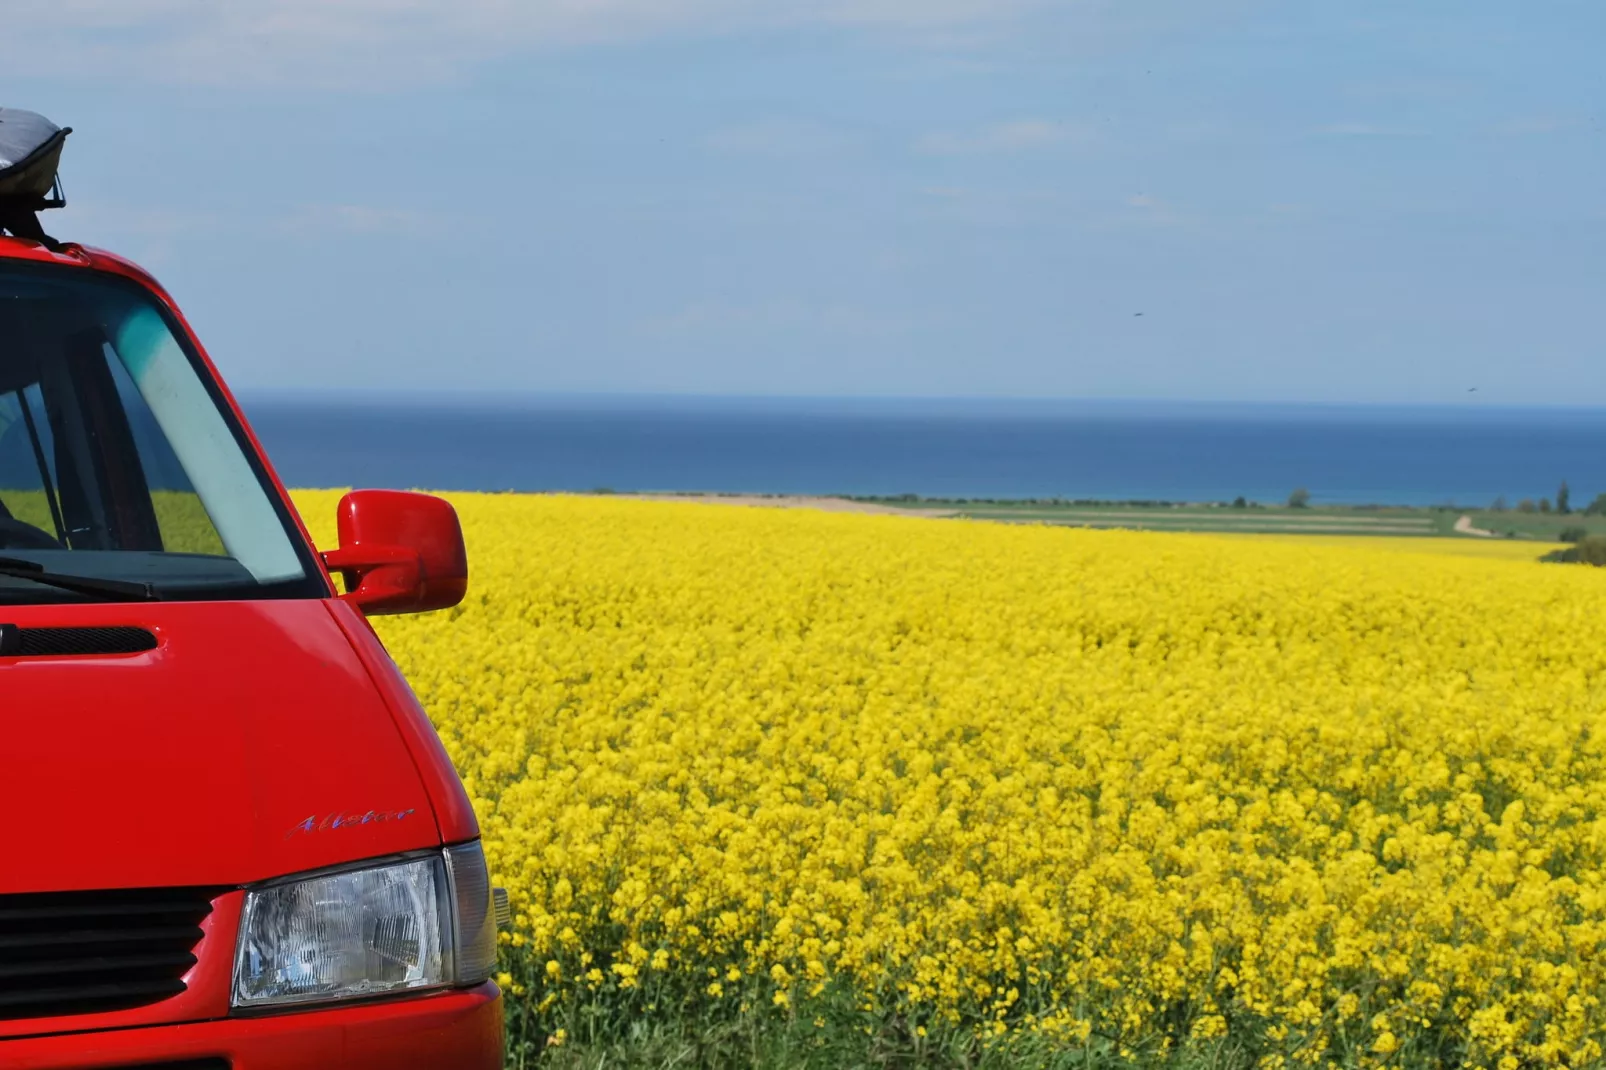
(250,743)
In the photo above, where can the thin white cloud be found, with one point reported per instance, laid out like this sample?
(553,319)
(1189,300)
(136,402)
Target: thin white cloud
(782,138)
(358,42)
(767,318)
(1147,210)
(1201,131)
(1411,87)
(131,220)
(1014,136)
(1358,129)
(1349,130)
(356,219)
(1534,125)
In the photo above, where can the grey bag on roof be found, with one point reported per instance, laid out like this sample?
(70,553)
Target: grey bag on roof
(30,151)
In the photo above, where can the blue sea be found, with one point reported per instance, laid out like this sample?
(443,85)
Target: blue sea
(938,448)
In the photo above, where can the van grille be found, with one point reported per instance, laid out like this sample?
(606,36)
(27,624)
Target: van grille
(87,952)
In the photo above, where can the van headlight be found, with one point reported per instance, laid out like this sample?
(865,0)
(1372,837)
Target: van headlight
(421,922)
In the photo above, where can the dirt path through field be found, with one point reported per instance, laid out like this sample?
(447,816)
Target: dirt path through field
(1158,521)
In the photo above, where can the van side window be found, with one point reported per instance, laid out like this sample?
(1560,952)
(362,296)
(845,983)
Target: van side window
(22,479)
(180,516)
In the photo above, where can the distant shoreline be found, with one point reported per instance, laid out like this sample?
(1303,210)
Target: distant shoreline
(967,459)
(1248,518)
(893,404)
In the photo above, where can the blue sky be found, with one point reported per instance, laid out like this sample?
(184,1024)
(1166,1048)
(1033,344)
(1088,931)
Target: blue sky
(1358,201)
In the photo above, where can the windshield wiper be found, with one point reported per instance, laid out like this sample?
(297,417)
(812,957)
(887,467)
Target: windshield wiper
(120,590)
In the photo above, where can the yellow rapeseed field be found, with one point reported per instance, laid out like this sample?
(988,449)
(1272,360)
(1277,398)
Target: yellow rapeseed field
(1325,801)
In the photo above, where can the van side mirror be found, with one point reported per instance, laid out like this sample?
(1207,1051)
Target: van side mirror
(400,552)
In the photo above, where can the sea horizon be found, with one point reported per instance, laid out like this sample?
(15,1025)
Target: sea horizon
(1422,454)
(945,403)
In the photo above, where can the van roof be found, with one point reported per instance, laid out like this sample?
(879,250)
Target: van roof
(72,254)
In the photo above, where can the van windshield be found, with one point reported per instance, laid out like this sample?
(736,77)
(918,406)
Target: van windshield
(121,474)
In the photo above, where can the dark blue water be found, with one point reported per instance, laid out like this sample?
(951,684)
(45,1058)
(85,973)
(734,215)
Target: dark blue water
(975,449)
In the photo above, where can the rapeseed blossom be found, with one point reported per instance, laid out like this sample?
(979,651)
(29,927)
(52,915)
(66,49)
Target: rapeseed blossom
(1335,800)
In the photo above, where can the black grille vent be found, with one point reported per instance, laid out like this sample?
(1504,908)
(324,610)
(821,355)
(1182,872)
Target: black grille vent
(59,642)
(86,952)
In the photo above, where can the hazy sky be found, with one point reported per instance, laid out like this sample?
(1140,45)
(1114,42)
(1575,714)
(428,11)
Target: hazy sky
(1332,201)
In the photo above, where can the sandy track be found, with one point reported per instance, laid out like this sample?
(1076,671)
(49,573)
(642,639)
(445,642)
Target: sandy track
(1464,526)
(1226,521)
(1241,529)
(1223,516)
(1314,525)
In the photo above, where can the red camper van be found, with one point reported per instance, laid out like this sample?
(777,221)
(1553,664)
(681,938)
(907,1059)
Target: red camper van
(232,839)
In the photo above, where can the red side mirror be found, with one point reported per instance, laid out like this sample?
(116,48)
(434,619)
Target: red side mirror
(399,552)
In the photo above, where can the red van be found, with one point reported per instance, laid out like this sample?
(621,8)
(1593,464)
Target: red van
(232,838)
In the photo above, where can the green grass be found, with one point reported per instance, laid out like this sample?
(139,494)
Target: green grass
(1543,527)
(832,1033)
(803,1046)
(1207,518)
(1319,520)
(671,1023)
(1194,518)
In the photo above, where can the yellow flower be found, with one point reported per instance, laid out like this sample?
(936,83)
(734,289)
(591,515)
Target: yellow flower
(1033,779)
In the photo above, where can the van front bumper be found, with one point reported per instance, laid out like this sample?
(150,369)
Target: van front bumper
(442,1031)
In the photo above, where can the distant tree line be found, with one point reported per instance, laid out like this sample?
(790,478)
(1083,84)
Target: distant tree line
(922,499)
(1584,548)
(1299,498)
(1563,504)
